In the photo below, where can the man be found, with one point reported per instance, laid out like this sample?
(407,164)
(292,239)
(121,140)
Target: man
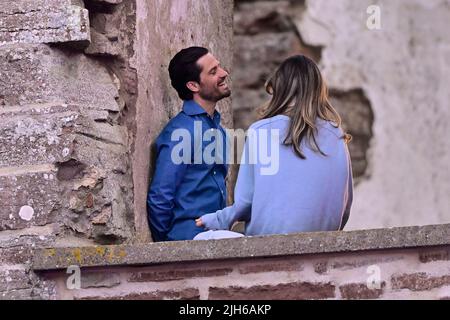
(182,192)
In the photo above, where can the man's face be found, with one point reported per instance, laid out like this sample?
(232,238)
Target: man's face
(213,86)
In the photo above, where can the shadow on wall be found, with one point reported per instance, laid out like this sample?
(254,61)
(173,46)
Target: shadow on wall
(264,35)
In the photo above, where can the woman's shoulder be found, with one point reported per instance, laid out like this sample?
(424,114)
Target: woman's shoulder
(329,127)
(269,122)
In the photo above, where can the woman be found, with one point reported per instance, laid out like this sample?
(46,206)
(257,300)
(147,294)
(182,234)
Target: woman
(313,186)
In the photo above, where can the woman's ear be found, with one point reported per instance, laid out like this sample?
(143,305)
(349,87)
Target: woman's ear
(193,86)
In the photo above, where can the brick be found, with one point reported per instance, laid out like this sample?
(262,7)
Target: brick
(435,255)
(360,291)
(289,291)
(186,294)
(321,267)
(99,280)
(39,191)
(177,274)
(270,265)
(362,262)
(38,21)
(419,281)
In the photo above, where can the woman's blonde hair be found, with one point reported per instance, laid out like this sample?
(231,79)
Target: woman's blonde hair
(298,91)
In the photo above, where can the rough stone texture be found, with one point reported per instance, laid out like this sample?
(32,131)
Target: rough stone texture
(290,291)
(177,273)
(15,280)
(256,247)
(37,21)
(270,265)
(99,280)
(65,169)
(37,135)
(419,281)
(43,74)
(360,291)
(187,294)
(438,255)
(63,144)
(403,69)
(220,276)
(43,198)
(174,25)
(15,255)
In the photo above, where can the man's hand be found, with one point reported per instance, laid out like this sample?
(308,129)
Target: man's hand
(199,222)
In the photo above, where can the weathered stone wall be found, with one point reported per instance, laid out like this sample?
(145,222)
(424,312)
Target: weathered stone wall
(404,263)
(390,86)
(164,28)
(65,169)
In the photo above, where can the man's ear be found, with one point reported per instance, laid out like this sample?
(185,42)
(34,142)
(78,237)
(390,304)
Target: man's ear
(193,86)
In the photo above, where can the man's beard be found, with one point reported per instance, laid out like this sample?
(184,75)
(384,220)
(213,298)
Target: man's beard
(214,95)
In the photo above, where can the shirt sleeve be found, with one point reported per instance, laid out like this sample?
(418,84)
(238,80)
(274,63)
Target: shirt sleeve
(243,195)
(349,199)
(161,194)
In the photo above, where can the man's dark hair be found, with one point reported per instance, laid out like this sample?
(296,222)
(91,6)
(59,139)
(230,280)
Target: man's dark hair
(184,68)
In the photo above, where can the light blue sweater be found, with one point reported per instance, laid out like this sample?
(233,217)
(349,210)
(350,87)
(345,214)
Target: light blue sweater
(308,195)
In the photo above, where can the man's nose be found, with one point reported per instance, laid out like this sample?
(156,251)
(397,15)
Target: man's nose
(225,73)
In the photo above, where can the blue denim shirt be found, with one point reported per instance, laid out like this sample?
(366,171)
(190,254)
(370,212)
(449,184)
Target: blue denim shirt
(181,192)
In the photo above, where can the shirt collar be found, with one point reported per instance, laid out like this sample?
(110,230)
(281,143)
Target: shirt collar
(192,108)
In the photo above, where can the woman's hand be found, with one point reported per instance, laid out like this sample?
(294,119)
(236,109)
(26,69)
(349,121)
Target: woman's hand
(199,222)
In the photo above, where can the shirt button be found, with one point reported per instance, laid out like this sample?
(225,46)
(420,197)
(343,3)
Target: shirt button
(212,129)
(214,172)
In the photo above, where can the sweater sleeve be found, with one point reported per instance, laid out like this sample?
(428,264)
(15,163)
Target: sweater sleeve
(243,195)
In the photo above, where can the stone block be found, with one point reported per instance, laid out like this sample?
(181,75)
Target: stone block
(39,136)
(26,21)
(29,199)
(288,291)
(33,74)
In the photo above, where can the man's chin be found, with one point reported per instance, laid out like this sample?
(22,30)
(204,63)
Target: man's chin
(226,93)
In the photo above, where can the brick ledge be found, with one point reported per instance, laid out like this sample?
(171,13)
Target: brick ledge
(247,247)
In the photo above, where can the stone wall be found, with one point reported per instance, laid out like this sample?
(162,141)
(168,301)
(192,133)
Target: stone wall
(389,86)
(65,170)
(403,263)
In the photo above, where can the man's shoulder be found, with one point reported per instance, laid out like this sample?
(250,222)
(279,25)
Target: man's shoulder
(180,121)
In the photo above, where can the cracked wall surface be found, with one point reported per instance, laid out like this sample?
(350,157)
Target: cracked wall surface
(66,100)
(389,85)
